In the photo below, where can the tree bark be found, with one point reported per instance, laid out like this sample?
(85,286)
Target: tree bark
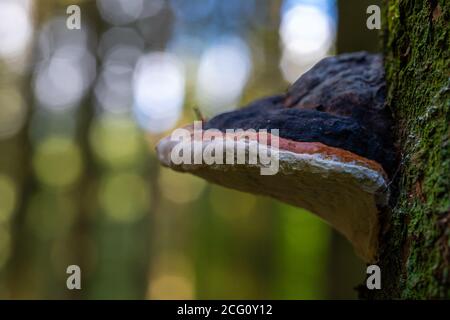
(415,253)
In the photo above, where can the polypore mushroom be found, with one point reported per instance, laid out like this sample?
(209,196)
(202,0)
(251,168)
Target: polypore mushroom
(334,151)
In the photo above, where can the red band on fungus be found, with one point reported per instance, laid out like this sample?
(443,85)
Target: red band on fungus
(299,147)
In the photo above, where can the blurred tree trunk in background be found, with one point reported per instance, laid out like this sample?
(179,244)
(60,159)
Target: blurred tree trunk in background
(22,280)
(415,253)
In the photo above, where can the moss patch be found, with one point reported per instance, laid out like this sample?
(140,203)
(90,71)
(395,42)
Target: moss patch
(416,255)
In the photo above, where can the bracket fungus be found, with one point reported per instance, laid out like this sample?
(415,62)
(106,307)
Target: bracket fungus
(334,150)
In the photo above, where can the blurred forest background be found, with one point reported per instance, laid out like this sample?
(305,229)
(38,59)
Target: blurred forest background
(81,111)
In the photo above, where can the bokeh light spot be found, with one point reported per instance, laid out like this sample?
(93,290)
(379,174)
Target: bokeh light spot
(120,12)
(15,28)
(222,75)
(171,286)
(307,34)
(116,141)
(159,89)
(172,277)
(180,188)
(57,162)
(12,112)
(65,67)
(59,84)
(124,197)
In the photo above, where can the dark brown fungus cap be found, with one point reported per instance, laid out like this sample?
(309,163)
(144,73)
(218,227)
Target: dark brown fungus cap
(340,102)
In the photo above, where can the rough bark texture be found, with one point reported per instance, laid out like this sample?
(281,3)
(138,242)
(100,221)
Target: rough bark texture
(415,259)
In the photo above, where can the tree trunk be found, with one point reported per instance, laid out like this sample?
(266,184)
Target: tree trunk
(415,253)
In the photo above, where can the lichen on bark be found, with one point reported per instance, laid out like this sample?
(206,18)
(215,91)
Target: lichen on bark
(415,253)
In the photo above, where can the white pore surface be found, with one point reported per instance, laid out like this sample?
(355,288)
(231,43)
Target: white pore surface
(346,195)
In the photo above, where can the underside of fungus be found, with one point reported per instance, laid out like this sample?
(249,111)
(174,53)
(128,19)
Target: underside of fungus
(334,151)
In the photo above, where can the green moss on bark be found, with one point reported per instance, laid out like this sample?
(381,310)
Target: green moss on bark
(415,254)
